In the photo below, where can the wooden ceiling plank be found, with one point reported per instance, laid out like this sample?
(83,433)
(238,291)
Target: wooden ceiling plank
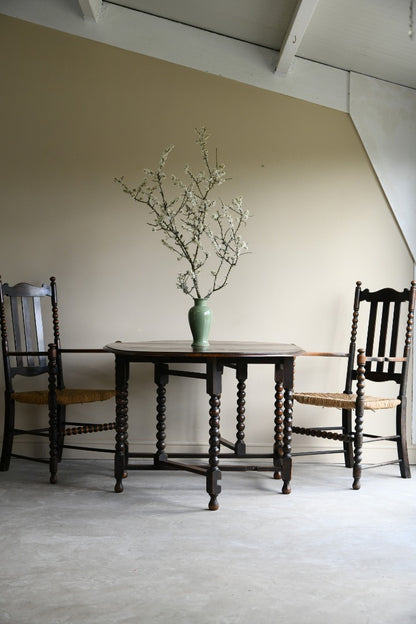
(297,28)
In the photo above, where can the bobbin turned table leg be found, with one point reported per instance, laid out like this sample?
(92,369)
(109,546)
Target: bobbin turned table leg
(241,375)
(287,441)
(283,435)
(213,477)
(288,380)
(161,380)
(278,422)
(120,457)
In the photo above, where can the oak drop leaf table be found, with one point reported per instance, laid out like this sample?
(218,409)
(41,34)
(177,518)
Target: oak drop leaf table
(236,355)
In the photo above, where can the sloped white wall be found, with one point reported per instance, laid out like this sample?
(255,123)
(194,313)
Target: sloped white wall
(385,117)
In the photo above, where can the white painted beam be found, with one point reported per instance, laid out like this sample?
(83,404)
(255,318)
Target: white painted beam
(91,9)
(297,28)
(190,47)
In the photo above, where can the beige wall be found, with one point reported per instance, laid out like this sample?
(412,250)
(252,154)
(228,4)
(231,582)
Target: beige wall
(78,113)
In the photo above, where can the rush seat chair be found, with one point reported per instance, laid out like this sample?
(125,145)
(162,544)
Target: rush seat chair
(388,317)
(23,336)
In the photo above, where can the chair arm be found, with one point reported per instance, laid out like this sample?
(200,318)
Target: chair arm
(83,351)
(323,354)
(369,358)
(59,350)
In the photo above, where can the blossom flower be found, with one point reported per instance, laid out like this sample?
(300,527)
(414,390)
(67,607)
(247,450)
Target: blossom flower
(192,223)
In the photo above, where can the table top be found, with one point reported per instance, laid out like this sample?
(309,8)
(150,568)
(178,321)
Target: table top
(216,349)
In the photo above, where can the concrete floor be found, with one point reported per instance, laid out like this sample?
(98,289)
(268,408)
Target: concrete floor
(76,553)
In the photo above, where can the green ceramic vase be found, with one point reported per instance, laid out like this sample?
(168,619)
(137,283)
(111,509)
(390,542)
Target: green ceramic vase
(199,317)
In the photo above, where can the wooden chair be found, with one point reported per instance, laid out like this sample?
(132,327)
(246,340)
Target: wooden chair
(386,357)
(22,325)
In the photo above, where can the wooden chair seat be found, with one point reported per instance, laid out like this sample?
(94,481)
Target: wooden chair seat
(68,396)
(343,401)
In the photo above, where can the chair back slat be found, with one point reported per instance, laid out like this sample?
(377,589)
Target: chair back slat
(18,335)
(29,329)
(369,347)
(37,311)
(32,322)
(394,335)
(383,334)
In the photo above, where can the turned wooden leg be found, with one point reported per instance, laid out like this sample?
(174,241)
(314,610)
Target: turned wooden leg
(213,476)
(9,413)
(122,376)
(287,441)
(161,379)
(278,429)
(241,374)
(53,414)
(61,415)
(284,373)
(402,451)
(214,473)
(359,420)
(348,445)
(358,446)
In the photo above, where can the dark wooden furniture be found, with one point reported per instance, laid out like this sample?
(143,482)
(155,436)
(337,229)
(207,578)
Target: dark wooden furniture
(23,328)
(387,320)
(237,355)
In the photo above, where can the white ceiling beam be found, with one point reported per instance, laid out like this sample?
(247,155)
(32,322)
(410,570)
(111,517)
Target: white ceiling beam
(91,9)
(190,47)
(294,35)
